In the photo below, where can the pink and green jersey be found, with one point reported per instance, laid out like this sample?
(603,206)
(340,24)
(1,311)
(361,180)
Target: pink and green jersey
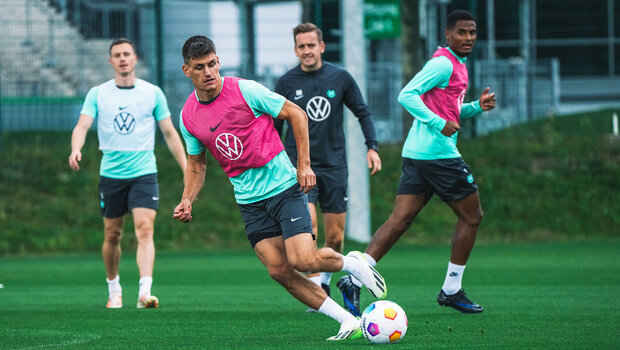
(435,95)
(237,129)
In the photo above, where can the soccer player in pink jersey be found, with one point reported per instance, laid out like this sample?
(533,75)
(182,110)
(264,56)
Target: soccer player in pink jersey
(232,118)
(432,163)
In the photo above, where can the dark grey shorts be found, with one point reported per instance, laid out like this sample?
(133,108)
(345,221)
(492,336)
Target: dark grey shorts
(284,214)
(451,179)
(118,196)
(330,190)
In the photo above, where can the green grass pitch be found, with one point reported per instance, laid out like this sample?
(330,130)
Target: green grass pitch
(536,296)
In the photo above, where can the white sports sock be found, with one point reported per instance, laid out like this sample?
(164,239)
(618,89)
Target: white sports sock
(370,260)
(145,286)
(316,280)
(326,277)
(335,311)
(454,276)
(114,285)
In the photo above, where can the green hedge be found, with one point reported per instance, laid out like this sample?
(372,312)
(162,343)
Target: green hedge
(550,179)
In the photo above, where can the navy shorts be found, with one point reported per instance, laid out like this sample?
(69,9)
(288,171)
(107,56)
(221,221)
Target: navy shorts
(118,196)
(451,179)
(285,214)
(330,190)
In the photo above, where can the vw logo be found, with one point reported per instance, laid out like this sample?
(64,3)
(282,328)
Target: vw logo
(229,146)
(318,108)
(124,123)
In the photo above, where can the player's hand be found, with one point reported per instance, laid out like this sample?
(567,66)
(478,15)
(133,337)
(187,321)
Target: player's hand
(74,158)
(306,178)
(374,161)
(183,211)
(487,100)
(450,128)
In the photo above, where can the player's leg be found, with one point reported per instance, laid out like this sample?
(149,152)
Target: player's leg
(406,208)
(143,199)
(113,206)
(469,213)
(271,252)
(111,253)
(461,195)
(333,199)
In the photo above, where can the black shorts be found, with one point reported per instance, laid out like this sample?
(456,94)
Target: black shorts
(330,190)
(285,214)
(118,196)
(451,179)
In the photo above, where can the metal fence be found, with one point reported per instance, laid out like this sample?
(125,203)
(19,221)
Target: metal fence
(53,51)
(524,91)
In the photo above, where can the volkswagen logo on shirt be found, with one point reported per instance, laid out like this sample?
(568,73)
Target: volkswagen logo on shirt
(229,146)
(124,123)
(318,108)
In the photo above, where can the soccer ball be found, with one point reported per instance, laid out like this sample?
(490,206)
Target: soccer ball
(384,322)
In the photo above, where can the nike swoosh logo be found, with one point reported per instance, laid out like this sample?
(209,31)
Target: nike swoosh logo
(295,219)
(298,97)
(215,128)
(121,108)
(155,198)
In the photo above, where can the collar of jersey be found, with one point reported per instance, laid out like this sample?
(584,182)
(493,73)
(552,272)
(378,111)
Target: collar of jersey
(461,59)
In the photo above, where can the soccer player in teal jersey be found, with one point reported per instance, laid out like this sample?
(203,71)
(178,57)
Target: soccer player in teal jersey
(431,161)
(126,110)
(232,118)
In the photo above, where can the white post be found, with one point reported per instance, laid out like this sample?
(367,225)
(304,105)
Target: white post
(615,124)
(354,58)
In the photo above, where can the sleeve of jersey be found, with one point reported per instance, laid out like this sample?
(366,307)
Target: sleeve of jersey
(355,102)
(161,110)
(90,102)
(471,109)
(192,144)
(435,74)
(260,99)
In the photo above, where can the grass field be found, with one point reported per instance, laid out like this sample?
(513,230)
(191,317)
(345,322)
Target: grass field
(536,296)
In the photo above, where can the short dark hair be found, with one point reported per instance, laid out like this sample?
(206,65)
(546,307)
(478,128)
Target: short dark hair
(196,47)
(459,15)
(307,28)
(122,41)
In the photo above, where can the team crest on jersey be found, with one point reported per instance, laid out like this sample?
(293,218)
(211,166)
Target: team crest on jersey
(229,146)
(318,108)
(299,93)
(331,93)
(124,123)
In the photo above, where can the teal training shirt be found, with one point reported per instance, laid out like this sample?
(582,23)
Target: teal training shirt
(425,140)
(127,164)
(255,184)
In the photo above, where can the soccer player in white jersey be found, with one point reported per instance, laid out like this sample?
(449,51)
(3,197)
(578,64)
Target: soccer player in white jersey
(126,109)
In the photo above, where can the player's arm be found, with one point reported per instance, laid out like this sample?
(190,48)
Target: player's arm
(299,125)
(78,137)
(435,73)
(194,179)
(355,102)
(485,103)
(173,141)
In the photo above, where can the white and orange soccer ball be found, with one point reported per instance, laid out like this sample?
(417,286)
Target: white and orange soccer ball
(384,322)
